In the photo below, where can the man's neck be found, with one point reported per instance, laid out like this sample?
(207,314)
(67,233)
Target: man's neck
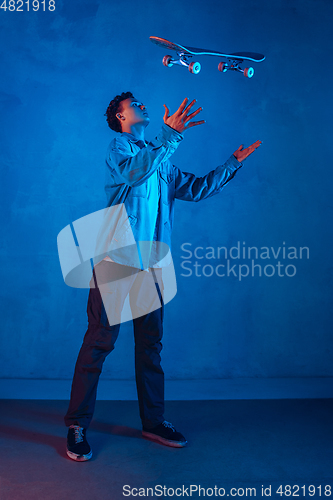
(137,130)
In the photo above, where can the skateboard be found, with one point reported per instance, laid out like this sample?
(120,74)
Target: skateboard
(186,53)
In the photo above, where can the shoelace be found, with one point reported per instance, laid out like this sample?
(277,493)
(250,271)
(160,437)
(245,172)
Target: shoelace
(78,433)
(168,424)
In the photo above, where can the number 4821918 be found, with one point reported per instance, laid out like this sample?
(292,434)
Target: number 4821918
(20,5)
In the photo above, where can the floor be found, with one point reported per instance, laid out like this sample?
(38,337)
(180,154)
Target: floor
(261,444)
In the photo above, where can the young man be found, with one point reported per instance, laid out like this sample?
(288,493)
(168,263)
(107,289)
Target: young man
(141,176)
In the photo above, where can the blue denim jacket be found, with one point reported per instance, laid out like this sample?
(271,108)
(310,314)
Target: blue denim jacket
(129,168)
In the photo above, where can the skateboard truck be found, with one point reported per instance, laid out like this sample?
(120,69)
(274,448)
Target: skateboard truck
(193,67)
(234,65)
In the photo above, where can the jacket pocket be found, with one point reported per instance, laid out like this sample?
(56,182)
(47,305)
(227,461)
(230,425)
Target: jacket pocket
(132,220)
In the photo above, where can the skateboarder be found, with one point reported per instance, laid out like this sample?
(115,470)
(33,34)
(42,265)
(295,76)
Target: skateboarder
(141,176)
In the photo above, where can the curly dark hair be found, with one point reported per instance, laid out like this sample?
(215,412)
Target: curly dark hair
(113,109)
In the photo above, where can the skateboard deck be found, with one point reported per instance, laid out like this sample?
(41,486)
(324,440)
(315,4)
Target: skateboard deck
(186,53)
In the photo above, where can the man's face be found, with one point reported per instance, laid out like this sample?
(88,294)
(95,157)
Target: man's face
(133,112)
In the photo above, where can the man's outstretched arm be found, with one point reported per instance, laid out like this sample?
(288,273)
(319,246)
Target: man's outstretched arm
(188,187)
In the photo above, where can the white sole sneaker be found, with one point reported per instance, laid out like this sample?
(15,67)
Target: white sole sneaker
(167,442)
(79,458)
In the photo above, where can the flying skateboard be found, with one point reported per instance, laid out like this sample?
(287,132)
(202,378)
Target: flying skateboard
(186,53)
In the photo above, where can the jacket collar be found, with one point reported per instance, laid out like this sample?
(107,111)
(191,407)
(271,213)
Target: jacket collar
(131,137)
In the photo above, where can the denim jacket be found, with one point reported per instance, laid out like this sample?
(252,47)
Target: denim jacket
(129,165)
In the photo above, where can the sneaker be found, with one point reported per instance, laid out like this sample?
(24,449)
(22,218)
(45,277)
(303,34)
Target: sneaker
(77,445)
(165,433)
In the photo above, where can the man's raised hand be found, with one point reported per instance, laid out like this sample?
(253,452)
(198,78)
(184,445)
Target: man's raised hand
(180,121)
(241,153)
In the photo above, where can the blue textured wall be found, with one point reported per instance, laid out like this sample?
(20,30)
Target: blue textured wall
(60,69)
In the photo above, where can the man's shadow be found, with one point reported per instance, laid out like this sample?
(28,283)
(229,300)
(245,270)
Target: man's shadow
(36,418)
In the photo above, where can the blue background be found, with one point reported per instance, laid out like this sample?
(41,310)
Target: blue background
(60,69)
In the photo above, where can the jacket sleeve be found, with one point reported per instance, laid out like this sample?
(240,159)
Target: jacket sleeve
(133,168)
(188,187)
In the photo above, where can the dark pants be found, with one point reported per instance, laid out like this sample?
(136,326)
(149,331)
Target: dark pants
(98,342)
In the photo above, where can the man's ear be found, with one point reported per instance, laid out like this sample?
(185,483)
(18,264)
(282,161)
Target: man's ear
(118,115)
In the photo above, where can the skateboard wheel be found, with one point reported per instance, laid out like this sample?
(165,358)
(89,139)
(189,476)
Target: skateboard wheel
(167,61)
(194,67)
(222,67)
(249,72)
